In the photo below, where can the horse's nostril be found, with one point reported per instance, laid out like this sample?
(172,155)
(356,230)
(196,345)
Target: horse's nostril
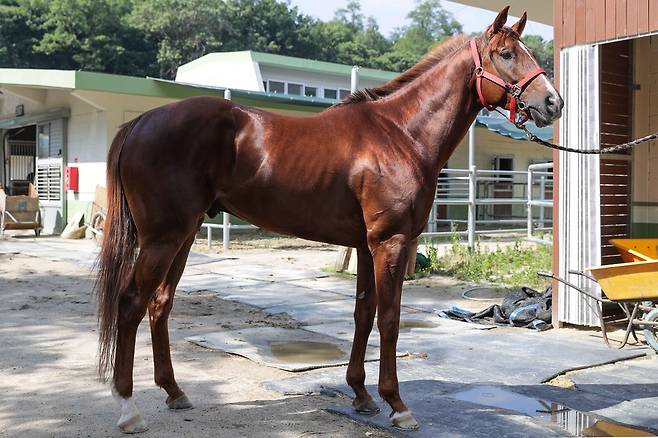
(553,104)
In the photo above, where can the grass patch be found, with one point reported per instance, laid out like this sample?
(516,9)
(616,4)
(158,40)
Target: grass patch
(509,266)
(332,271)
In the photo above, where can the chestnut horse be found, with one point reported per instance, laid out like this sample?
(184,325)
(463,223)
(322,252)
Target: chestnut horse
(362,174)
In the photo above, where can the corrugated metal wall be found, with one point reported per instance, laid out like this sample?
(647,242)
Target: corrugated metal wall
(579,213)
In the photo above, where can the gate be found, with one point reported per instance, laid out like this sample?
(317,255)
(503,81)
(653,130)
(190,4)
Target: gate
(49,175)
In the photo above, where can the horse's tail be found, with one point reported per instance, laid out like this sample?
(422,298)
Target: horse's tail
(117,256)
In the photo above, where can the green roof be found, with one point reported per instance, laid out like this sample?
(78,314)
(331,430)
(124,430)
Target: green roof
(320,66)
(150,87)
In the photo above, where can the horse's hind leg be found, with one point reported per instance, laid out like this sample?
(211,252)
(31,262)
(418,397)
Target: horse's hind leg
(150,269)
(364,315)
(159,308)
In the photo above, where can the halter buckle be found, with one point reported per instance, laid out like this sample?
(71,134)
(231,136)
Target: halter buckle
(515,90)
(479,71)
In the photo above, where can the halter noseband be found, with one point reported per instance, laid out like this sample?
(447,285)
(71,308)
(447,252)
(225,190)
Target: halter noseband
(514,90)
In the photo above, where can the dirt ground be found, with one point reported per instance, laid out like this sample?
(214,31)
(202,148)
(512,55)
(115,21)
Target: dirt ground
(47,364)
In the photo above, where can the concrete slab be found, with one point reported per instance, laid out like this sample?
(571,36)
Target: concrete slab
(262,272)
(442,416)
(215,283)
(318,313)
(283,348)
(275,294)
(341,286)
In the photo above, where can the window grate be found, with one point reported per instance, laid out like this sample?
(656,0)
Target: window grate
(49,178)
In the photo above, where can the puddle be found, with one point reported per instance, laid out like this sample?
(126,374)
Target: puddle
(306,352)
(408,324)
(574,422)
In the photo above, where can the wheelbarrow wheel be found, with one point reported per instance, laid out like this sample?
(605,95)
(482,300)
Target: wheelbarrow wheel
(651,331)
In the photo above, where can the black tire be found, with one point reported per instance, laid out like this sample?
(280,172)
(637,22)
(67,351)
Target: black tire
(651,331)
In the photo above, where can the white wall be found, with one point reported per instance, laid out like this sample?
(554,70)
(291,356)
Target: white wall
(231,70)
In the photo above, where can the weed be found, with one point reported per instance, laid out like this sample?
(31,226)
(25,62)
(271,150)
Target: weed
(510,266)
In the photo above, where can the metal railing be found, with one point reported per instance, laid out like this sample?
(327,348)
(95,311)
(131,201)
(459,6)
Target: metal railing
(226,226)
(540,170)
(484,193)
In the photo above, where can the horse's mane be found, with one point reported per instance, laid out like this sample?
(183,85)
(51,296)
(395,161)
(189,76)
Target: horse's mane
(433,57)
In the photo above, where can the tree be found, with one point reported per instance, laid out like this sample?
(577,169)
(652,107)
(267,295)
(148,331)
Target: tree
(20,30)
(351,15)
(430,24)
(91,35)
(178,31)
(543,51)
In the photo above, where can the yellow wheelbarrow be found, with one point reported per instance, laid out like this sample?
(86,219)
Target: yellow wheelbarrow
(632,285)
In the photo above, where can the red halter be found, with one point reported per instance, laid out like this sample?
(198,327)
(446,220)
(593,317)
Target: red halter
(514,90)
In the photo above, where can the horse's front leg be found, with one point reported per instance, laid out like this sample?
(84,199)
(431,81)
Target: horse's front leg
(390,261)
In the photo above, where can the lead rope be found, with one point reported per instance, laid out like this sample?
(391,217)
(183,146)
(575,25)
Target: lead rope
(607,150)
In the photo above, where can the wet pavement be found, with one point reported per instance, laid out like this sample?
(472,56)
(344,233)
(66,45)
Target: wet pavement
(459,380)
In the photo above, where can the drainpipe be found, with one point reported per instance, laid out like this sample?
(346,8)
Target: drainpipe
(354,83)
(472,187)
(226,218)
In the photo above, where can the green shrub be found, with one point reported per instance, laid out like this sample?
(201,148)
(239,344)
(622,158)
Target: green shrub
(510,266)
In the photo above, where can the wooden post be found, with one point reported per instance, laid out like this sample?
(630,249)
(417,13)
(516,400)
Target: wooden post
(343,260)
(411,258)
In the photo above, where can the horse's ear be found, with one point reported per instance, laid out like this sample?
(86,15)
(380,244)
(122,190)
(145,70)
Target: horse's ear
(498,23)
(520,25)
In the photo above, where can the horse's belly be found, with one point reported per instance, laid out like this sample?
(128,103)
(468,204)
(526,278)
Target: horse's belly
(318,216)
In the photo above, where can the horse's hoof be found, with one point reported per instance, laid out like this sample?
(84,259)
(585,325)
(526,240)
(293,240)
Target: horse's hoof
(134,424)
(368,407)
(180,404)
(404,420)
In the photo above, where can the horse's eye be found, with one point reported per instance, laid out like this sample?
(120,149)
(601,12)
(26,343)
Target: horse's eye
(506,55)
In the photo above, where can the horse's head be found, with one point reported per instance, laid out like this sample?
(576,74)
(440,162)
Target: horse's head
(509,75)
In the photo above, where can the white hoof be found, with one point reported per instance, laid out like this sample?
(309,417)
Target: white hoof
(131,420)
(404,420)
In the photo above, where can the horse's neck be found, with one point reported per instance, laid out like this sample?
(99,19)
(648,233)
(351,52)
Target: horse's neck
(438,108)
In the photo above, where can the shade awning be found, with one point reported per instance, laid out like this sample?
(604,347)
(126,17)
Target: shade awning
(506,128)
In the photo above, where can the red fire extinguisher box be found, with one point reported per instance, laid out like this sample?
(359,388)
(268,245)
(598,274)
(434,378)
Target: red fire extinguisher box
(71,179)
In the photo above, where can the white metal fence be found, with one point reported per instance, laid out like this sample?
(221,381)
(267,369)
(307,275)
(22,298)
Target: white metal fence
(493,201)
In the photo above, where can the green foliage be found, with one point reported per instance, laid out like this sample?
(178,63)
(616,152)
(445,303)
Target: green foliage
(178,31)
(90,35)
(510,266)
(543,51)
(154,37)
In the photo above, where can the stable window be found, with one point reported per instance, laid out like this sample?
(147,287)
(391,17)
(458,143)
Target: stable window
(276,87)
(502,187)
(295,89)
(310,91)
(504,164)
(344,93)
(43,138)
(330,93)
